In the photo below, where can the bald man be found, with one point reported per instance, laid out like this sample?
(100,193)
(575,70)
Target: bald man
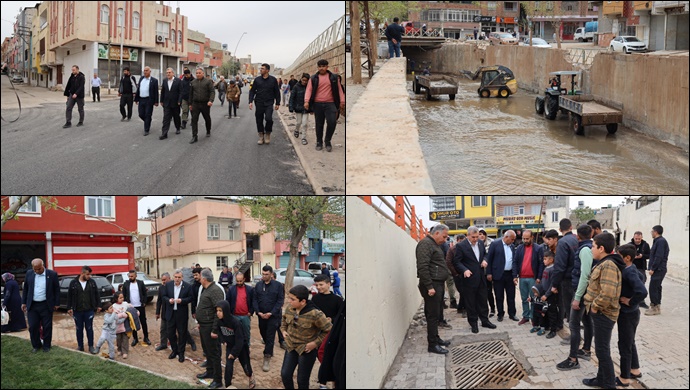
(500,271)
(40,298)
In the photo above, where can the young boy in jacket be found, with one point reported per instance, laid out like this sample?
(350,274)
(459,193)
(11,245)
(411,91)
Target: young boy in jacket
(633,292)
(601,301)
(545,294)
(110,322)
(304,327)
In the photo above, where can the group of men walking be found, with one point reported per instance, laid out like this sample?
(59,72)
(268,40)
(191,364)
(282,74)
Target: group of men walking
(324,97)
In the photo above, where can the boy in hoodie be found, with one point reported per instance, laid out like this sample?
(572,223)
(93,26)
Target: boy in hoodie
(304,327)
(633,292)
(110,322)
(601,301)
(232,332)
(336,284)
(544,293)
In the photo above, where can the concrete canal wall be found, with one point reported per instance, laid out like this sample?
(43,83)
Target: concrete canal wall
(383,151)
(651,89)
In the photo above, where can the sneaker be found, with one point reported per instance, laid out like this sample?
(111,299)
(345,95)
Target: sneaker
(67,125)
(80,124)
(541,332)
(551,335)
(565,341)
(535,329)
(304,141)
(567,364)
(296,133)
(582,354)
(330,148)
(644,305)
(464,314)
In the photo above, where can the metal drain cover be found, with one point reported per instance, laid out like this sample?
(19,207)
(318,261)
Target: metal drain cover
(483,364)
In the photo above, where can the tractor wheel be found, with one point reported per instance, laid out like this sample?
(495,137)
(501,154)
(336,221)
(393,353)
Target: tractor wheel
(415,86)
(551,107)
(576,124)
(428,95)
(612,128)
(539,105)
(485,93)
(452,96)
(504,92)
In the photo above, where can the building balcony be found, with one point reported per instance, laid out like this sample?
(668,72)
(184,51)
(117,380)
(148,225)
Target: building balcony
(662,7)
(612,8)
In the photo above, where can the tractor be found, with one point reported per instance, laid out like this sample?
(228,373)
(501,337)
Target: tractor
(496,80)
(548,104)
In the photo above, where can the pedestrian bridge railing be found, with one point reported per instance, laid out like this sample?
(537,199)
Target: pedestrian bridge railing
(404,212)
(329,45)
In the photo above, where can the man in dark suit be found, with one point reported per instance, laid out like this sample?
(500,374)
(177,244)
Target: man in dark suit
(134,292)
(171,99)
(40,298)
(469,261)
(147,95)
(160,311)
(176,297)
(500,271)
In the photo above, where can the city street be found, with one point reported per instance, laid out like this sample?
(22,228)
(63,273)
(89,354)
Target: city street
(109,156)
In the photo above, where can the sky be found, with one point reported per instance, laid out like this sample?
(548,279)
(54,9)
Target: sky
(152,202)
(277,32)
(421,204)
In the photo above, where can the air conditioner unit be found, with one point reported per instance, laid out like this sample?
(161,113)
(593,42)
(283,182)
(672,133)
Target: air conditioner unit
(235,223)
(160,39)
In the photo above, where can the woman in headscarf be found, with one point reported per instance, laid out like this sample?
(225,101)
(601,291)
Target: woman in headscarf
(13,305)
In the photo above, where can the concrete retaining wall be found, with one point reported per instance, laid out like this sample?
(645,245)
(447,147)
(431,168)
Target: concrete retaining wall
(383,294)
(383,152)
(652,90)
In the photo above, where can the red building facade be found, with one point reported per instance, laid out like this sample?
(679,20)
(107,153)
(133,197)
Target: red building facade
(97,234)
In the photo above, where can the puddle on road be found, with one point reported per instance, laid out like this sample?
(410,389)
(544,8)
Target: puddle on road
(502,146)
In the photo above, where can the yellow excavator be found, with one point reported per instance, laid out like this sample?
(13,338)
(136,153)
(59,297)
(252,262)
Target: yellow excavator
(496,80)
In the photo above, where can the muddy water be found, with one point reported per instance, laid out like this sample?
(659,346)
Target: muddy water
(501,146)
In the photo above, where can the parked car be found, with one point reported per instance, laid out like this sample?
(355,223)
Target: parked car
(152,286)
(302,277)
(502,38)
(627,44)
(315,268)
(536,42)
(105,289)
(17,79)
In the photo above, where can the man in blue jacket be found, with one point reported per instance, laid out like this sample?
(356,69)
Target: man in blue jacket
(41,297)
(394,33)
(269,296)
(658,257)
(528,266)
(563,271)
(500,271)
(243,307)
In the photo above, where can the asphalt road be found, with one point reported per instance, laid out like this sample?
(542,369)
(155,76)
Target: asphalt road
(107,156)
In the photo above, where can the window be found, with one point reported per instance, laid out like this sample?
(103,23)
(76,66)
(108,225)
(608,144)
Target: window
(135,20)
(105,13)
(181,233)
(138,251)
(163,28)
(31,206)
(442,203)
(168,238)
(521,210)
(554,216)
(231,234)
(508,211)
(172,36)
(478,201)
(120,17)
(221,261)
(491,5)
(179,37)
(118,278)
(213,231)
(174,263)
(100,206)
(510,6)
(197,49)
(158,241)
(144,243)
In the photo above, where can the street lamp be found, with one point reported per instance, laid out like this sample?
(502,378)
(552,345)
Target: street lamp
(238,44)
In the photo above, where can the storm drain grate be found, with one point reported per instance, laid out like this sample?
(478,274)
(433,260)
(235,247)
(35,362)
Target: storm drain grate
(482,364)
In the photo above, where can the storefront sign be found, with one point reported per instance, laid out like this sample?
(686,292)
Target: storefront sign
(509,20)
(128,54)
(439,215)
(485,19)
(333,247)
(517,220)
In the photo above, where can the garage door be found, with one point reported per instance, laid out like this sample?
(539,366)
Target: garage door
(326,259)
(284,259)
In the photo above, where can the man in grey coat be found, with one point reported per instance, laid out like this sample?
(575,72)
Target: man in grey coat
(206,316)
(432,273)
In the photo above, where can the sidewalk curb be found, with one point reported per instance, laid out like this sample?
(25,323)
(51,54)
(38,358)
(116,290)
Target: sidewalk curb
(318,189)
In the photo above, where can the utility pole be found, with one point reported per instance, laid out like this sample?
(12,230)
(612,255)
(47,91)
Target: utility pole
(109,19)
(122,41)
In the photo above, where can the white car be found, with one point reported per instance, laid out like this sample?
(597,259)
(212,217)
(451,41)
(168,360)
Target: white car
(627,44)
(301,277)
(536,42)
(152,286)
